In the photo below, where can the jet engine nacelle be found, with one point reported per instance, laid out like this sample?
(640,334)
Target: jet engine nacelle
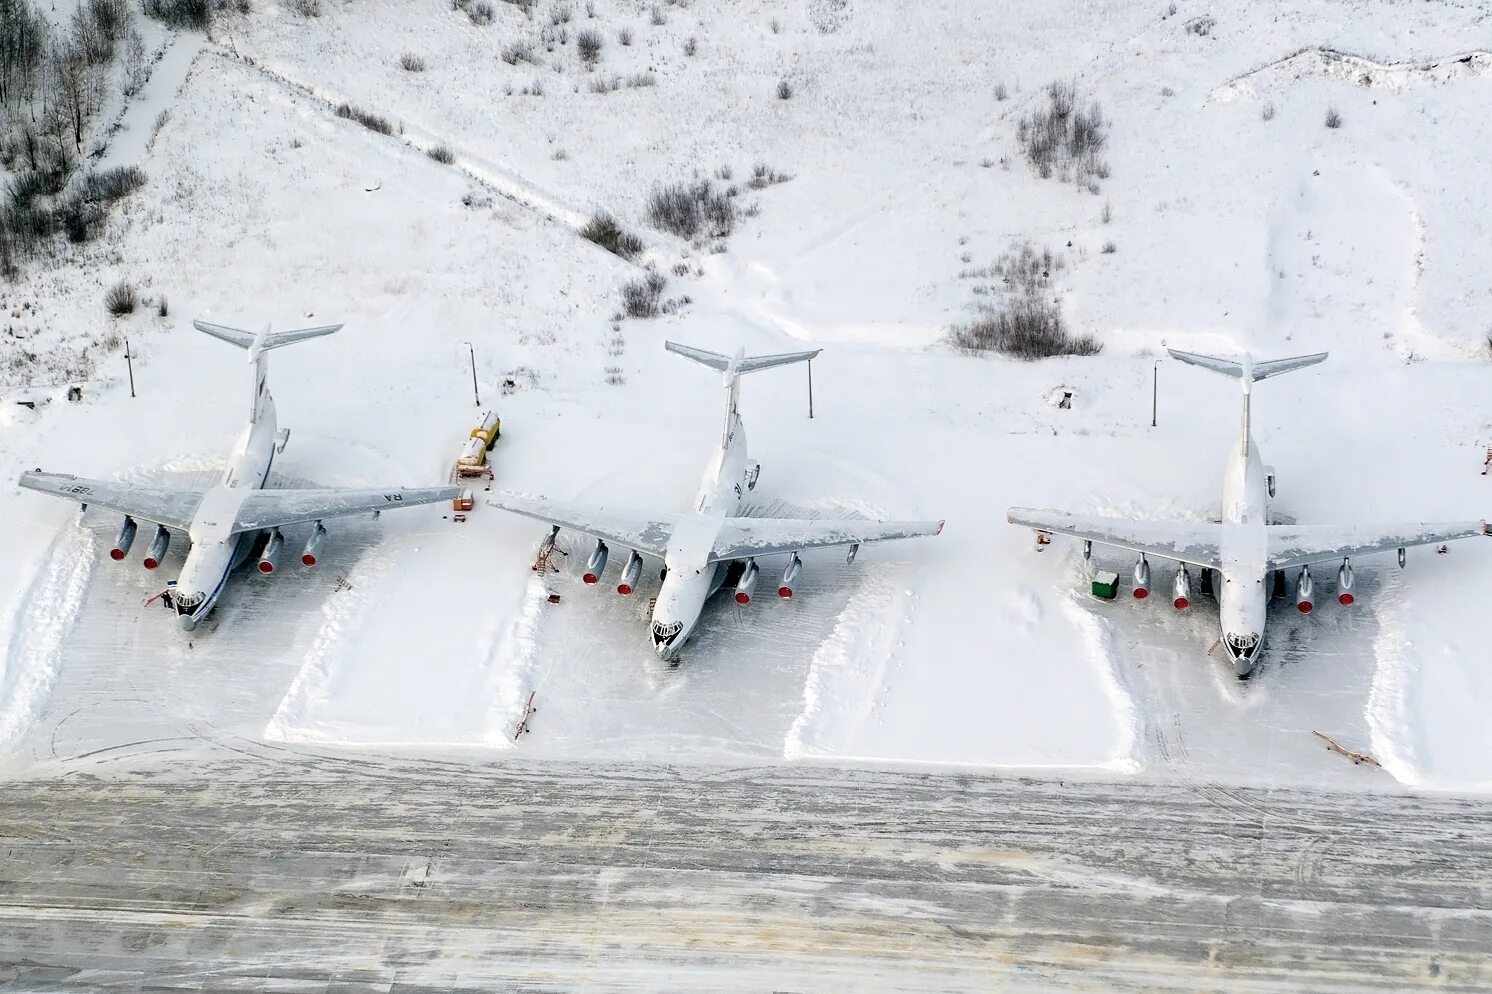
(1304,592)
(157,550)
(790,577)
(747,584)
(1181,589)
(309,554)
(596,564)
(630,574)
(1142,579)
(1345,581)
(269,559)
(125,539)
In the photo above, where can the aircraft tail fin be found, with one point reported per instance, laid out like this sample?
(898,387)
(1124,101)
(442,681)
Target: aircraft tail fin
(732,367)
(1247,373)
(257,344)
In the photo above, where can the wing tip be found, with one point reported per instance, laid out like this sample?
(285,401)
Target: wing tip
(941,523)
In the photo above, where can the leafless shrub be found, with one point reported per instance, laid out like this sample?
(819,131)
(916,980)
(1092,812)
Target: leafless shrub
(1201,26)
(561,14)
(1022,269)
(624,37)
(1267,113)
(1166,91)
(784,90)
(1028,327)
(411,62)
(640,298)
(193,14)
(162,309)
(442,154)
(607,232)
(614,376)
(1060,135)
(367,119)
(1002,92)
(724,173)
(691,45)
(776,26)
(763,176)
(1333,118)
(519,51)
(480,13)
(604,84)
(306,8)
(121,299)
(534,89)
(691,209)
(657,18)
(588,43)
(1109,248)
(109,185)
(642,80)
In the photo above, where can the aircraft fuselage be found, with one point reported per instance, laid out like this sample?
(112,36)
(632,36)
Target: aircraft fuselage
(215,549)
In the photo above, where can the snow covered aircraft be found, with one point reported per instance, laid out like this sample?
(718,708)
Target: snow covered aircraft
(228,522)
(711,545)
(1244,551)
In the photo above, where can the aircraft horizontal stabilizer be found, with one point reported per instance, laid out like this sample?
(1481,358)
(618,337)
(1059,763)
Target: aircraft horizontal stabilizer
(742,363)
(1247,371)
(265,340)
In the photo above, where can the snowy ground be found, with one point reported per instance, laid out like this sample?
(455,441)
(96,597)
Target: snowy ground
(1232,232)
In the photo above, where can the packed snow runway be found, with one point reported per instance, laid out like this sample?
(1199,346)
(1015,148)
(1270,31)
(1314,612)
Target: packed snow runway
(270,869)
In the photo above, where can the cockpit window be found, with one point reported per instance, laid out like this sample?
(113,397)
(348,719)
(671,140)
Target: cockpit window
(1242,643)
(664,632)
(187,602)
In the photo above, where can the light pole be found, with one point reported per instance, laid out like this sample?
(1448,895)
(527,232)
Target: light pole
(1154,390)
(810,389)
(475,395)
(129,360)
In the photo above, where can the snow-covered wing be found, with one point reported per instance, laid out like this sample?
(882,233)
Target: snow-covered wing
(742,538)
(624,529)
(1301,545)
(274,508)
(1194,542)
(172,508)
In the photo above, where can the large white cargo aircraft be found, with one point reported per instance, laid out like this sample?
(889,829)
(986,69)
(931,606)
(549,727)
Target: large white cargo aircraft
(710,545)
(226,522)
(1244,551)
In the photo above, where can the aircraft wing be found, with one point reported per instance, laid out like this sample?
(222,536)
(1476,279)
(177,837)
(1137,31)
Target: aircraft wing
(160,505)
(1195,542)
(624,529)
(742,538)
(274,508)
(1301,545)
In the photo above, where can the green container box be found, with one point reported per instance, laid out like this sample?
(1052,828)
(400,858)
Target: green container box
(1106,584)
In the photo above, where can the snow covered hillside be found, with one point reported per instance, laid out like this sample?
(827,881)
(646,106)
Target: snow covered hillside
(878,175)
